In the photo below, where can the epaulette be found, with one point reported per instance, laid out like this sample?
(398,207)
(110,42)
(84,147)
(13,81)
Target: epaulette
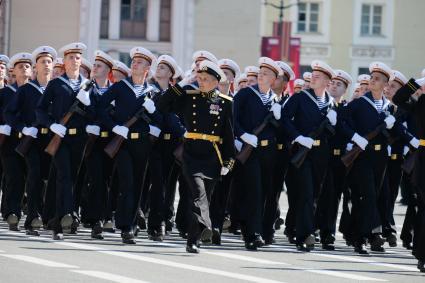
(193,91)
(225,97)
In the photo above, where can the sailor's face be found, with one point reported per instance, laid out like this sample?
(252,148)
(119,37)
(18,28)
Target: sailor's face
(229,75)
(3,71)
(100,70)
(44,65)
(251,80)
(140,66)
(72,61)
(391,89)
(266,77)
(206,82)
(378,82)
(23,70)
(337,88)
(319,80)
(163,72)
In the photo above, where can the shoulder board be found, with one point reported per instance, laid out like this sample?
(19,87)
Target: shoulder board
(225,97)
(193,91)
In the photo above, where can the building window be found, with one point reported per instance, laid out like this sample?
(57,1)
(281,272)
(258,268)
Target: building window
(363,71)
(133,19)
(303,69)
(371,22)
(125,58)
(165,21)
(308,17)
(104,19)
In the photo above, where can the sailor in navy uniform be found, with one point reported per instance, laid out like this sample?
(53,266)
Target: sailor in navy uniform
(20,114)
(302,114)
(272,213)
(98,166)
(60,94)
(254,183)
(12,162)
(362,116)
(131,95)
(208,150)
(410,97)
(335,184)
(162,174)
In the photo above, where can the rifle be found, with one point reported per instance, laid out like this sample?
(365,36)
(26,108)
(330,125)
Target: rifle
(114,145)
(298,159)
(349,157)
(55,142)
(246,150)
(24,145)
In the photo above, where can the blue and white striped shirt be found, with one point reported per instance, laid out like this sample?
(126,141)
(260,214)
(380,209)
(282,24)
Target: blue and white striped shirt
(321,101)
(379,104)
(139,90)
(75,84)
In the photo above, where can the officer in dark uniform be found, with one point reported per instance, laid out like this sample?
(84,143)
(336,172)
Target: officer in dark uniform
(12,162)
(208,148)
(131,95)
(334,185)
(410,97)
(61,94)
(98,164)
(361,117)
(254,183)
(302,114)
(20,114)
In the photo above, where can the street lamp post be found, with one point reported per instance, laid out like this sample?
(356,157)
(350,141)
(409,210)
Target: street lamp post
(281,7)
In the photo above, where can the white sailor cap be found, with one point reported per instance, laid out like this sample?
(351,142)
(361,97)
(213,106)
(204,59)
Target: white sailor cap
(203,54)
(399,77)
(179,72)
(242,78)
(230,65)
(363,79)
(343,76)
(212,69)
(141,52)
(307,76)
(252,71)
(86,64)
(287,70)
(44,51)
(121,67)
(4,59)
(268,63)
(58,62)
(382,68)
(99,55)
(299,83)
(75,47)
(22,57)
(170,63)
(321,66)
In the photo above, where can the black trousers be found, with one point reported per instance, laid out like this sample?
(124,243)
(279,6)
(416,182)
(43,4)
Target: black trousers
(366,180)
(334,187)
(170,192)
(291,189)
(411,196)
(201,190)
(66,161)
(271,199)
(309,179)
(96,183)
(131,162)
(219,201)
(255,184)
(37,166)
(14,177)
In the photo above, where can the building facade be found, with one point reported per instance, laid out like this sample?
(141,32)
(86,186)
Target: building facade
(350,34)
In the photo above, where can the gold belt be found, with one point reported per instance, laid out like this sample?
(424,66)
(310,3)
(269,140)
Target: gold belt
(44,131)
(213,139)
(316,143)
(72,131)
(104,134)
(422,142)
(394,156)
(337,152)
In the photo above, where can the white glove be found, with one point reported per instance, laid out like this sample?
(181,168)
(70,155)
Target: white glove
(149,105)
(349,147)
(389,150)
(332,117)
(390,120)
(224,171)
(154,131)
(360,141)
(5,130)
(406,150)
(250,139)
(277,110)
(421,81)
(414,142)
(31,131)
(121,130)
(93,129)
(238,145)
(84,97)
(58,129)
(305,141)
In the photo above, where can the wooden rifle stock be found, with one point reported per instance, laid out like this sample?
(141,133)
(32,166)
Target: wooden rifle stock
(246,150)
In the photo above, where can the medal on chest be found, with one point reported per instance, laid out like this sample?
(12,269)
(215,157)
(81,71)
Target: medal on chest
(215,109)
